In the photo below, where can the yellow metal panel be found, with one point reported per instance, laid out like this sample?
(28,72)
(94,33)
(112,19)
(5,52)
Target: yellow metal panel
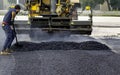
(34,7)
(87,8)
(47,2)
(13,6)
(75,1)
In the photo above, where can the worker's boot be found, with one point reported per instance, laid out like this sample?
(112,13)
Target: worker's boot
(9,50)
(4,53)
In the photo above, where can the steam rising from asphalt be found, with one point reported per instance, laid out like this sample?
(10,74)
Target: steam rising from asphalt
(42,36)
(38,36)
(61,38)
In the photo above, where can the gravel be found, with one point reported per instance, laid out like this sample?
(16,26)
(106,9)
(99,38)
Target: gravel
(60,45)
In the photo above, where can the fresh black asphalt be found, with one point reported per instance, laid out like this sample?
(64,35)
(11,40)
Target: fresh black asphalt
(61,62)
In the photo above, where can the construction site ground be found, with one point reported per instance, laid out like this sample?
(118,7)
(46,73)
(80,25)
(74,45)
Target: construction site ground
(106,31)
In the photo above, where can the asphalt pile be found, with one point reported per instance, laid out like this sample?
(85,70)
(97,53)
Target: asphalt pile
(60,45)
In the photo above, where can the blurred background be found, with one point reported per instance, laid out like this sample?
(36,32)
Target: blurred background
(100,7)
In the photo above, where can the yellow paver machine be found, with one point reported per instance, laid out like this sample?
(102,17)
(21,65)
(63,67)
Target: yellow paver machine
(55,16)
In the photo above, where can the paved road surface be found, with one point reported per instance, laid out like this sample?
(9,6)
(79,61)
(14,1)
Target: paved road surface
(66,62)
(51,62)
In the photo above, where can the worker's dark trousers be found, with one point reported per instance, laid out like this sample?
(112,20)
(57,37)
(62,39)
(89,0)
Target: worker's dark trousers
(10,35)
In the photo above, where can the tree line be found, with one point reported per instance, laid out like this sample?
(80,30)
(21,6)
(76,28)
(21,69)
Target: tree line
(112,4)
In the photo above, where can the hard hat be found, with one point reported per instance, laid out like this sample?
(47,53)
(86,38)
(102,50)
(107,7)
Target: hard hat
(87,8)
(13,6)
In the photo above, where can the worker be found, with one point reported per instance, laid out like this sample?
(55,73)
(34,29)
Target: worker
(7,26)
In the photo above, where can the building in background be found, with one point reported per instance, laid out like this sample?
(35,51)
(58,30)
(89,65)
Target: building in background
(104,6)
(5,4)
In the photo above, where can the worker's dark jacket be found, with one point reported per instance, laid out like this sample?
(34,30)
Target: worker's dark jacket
(8,16)
(10,34)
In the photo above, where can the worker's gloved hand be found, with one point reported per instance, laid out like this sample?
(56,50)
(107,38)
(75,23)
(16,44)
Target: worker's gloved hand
(12,21)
